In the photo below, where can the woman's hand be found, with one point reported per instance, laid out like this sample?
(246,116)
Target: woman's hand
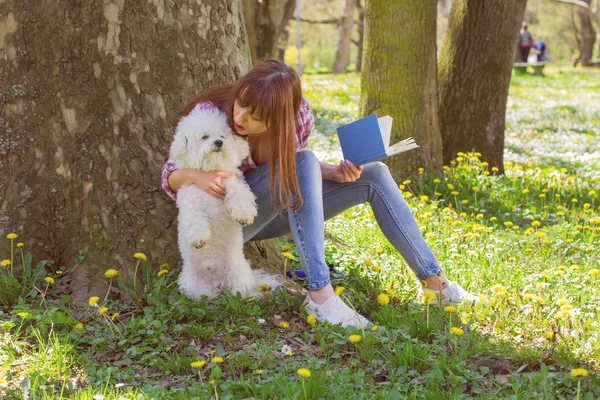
(211,182)
(346,172)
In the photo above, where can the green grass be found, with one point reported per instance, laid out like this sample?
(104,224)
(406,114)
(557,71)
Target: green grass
(527,242)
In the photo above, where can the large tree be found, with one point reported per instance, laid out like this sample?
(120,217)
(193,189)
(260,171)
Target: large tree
(88,93)
(399,77)
(474,75)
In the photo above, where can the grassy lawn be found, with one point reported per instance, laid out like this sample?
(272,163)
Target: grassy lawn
(527,242)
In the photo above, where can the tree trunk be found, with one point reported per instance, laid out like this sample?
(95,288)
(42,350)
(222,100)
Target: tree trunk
(474,75)
(399,78)
(360,41)
(342,54)
(89,91)
(587,35)
(266,22)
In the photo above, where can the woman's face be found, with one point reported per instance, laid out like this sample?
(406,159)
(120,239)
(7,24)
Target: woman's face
(246,123)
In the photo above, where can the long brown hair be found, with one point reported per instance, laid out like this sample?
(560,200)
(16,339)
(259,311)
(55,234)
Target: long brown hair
(272,91)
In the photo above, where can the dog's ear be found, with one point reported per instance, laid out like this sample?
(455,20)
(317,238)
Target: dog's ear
(241,148)
(179,147)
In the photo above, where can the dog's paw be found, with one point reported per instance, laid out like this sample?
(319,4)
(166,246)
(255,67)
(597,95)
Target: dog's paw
(198,244)
(246,221)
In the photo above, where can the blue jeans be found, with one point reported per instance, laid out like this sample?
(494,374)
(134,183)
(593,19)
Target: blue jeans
(326,199)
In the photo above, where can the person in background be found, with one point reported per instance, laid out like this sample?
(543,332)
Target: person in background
(540,49)
(525,42)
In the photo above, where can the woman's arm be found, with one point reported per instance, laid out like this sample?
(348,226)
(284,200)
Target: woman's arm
(211,182)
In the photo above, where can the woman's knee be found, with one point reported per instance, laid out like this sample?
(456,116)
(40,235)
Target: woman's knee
(307,160)
(375,171)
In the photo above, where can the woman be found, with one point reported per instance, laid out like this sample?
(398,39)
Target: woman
(296,193)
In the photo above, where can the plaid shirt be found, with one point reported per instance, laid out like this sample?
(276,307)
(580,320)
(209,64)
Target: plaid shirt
(304,124)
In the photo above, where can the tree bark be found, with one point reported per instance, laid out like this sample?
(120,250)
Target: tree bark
(88,94)
(266,22)
(342,54)
(474,76)
(587,35)
(399,78)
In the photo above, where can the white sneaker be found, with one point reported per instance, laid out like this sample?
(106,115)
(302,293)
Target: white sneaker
(335,311)
(452,295)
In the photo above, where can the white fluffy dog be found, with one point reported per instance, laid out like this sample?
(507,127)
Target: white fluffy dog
(210,229)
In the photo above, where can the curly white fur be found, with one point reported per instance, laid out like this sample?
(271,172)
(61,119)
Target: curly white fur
(210,229)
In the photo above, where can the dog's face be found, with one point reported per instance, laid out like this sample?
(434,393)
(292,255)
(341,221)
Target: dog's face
(203,140)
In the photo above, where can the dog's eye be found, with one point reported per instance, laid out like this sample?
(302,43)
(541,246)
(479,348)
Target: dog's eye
(205,137)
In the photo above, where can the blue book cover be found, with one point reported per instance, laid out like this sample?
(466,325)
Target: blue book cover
(367,140)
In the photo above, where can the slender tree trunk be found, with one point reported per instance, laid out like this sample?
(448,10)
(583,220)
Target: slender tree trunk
(399,78)
(587,35)
(360,41)
(342,54)
(266,22)
(474,75)
(88,95)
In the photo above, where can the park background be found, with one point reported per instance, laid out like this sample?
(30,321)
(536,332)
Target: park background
(90,306)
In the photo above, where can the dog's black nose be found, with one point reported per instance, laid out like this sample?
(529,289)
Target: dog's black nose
(219,143)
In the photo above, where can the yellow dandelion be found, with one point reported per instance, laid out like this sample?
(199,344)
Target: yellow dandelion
(286,247)
(499,290)
(428,297)
(258,372)
(264,288)
(284,324)
(115,316)
(579,372)
(49,280)
(217,360)
(303,372)
(165,266)
(288,255)
(508,224)
(311,319)
(140,256)
(78,326)
(93,300)
(456,331)
(162,272)
(339,290)
(549,335)
(102,310)
(354,338)
(450,309)
(492,219)
(383,299)
(379,250)
(198,364)
(593,272)
(12,236)
(111,273)
(5,263)
(20,244)
(374,328)
(562,301)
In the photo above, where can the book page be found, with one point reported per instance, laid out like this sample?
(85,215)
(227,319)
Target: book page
(385,126)
(402,146)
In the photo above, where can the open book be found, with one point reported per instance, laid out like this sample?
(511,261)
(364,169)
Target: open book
(368,139)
